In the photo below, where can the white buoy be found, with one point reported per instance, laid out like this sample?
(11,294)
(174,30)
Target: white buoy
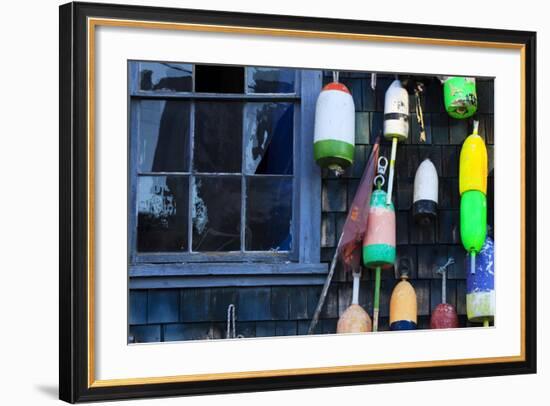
(425,196)
(396,124)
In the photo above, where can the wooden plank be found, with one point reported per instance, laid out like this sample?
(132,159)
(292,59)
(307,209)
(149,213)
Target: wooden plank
(458,131)
(206,269)
(256,97)
(331,303)
(362,128)
(195,305)
(404,193)
(402,225)
(422,288)
(448,193)
(163,306)
(220,299)
(297,303)
(137,307)
(461,297)
(253,303)
(458,269)
(286,328)
(132,177)
(144,334)
(448,227)
(333,196)
(450,155)
(424,234)
(213,257)
(407,252)
(440,128)
(168,282)
(328,230)
(308,173)
(280,303)
(430,258)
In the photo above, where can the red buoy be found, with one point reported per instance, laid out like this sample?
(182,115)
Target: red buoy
(444,315)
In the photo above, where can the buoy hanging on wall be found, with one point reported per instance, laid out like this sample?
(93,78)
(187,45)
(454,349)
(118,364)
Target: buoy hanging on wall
(403,306)
(444,315)
(460,96)
(480,286)
(473,221)
(379,242)
(355,319)
(396,124)
(473,189)
(425,196)
(334,131)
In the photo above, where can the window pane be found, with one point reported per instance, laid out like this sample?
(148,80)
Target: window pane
(268,213)
(163,136)
(218,137)
(269,140)
(216,213)
(219,79)
(270,80)
(162,203)
(163,77)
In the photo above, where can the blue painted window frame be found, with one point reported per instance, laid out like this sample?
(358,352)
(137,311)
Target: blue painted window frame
(300,265)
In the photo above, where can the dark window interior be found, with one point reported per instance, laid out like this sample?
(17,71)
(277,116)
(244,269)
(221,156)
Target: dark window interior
(219,79)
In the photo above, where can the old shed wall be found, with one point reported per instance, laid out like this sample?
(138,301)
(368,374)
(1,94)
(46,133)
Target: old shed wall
(183,314)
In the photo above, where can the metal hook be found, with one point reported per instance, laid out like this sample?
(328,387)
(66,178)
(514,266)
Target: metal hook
(382,165)
(379,180)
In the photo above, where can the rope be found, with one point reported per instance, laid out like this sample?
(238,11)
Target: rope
(231,329)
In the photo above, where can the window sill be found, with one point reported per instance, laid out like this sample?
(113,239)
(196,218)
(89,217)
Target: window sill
(225,274)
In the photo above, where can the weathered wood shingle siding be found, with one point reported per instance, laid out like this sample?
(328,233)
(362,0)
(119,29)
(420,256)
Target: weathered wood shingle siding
(183,314)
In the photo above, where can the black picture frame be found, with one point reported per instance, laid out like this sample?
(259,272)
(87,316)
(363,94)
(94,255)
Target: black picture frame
(74,385)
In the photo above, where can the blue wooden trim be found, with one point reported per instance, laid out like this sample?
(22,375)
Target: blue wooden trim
(133,75)
(133,128)
(179,282)
(214,257)
(205,269)
(308,192)
(255,97)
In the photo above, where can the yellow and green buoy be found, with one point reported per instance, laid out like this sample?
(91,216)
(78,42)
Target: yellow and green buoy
(473,190)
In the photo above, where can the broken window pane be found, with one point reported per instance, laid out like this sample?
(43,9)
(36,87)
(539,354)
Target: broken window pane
(162,205)
(216,213)
(269,138)
(219,79)
(268,213)
(163,136)
(270,80)
(218,137)
(165,77)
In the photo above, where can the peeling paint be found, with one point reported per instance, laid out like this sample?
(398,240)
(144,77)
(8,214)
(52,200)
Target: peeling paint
(199,209)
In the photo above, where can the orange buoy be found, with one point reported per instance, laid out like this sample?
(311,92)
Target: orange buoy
(403,306)
(355,319)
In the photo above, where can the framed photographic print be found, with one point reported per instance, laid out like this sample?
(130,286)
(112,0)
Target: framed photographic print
(254,202)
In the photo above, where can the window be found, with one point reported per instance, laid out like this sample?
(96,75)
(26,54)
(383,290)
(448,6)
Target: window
(221,174)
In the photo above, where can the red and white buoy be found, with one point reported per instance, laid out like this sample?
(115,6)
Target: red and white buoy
(334,131)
